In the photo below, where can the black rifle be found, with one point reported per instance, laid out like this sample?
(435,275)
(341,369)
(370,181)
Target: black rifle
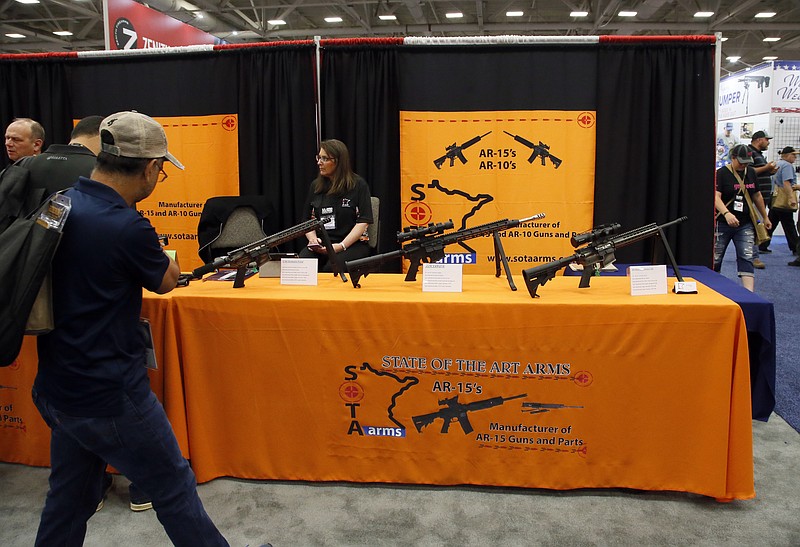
(428,243)
(453,410)
(454,151)
(541,150)
(258,252)
(597,254)
(538,408)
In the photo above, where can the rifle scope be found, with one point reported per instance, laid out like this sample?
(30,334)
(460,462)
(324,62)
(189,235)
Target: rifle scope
(594,234)
(418,233)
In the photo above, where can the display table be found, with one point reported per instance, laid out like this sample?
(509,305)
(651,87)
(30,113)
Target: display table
(759,317)
(579,388)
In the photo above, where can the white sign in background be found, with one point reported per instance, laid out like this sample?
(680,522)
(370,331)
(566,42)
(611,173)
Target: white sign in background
(746,93)
(786,77)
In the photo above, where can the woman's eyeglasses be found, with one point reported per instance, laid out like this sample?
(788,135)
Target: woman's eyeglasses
(324,159)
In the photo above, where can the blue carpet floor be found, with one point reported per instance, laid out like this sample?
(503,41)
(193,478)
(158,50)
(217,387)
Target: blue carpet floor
(780,284)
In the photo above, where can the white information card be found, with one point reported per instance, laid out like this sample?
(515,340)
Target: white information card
(299,271)
(648,279)
(441,277)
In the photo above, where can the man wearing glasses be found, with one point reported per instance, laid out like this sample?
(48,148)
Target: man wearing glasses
(92,387)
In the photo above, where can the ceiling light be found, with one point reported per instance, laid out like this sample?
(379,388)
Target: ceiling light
(454,15)
(387,17)
(765,15)
(62,33)
(578,13)
(770,58)
(771,39)
(733,58)
(704,14)
(28,1)
(15,35)
(514,14)
(276,22)
(333,19)
(627,14)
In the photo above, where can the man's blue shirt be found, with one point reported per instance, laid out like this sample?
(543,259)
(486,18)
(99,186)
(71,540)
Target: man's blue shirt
(95,355)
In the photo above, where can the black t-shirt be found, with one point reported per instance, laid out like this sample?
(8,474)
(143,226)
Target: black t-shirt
(728,186)
(340,212)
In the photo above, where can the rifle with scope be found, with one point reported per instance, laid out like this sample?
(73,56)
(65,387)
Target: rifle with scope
(601,244)
(258,252)
(427,245)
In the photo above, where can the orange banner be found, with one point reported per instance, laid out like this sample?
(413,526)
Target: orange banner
(478,167)
(208,146)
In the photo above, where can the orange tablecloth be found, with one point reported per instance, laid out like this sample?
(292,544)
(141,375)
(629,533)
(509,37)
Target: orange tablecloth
(325,383)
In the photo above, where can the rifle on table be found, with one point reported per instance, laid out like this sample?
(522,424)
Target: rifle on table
(258,252)
(541,150)
(538,408)
(453,410)
(598,252)
(454,151)
(427,245)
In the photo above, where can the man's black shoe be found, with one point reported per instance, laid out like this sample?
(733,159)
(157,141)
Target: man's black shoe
(795,262)
(764,249)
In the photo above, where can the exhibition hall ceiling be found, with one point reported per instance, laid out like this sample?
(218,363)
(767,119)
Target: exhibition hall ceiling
(31,26)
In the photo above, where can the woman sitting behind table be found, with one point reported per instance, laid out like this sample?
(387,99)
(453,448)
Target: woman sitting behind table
(341,199)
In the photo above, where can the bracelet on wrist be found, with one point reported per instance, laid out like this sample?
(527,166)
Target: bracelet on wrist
(343,247)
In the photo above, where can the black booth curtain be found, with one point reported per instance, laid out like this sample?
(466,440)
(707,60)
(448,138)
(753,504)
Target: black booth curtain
(655,155)
(277,126)
(38,90)
(360,108)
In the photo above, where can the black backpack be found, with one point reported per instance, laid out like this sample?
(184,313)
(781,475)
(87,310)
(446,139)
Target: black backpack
(26,251)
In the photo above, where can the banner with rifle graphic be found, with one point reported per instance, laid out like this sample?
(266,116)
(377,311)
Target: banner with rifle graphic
(474,167)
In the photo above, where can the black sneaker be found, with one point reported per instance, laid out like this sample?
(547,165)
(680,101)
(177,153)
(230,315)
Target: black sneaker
(795,262)
(108,482)
(766,250)
(139,500)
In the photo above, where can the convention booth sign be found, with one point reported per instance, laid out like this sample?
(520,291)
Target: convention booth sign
(130,25)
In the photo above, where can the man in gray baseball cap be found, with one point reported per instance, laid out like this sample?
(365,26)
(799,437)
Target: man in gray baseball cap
(92,379)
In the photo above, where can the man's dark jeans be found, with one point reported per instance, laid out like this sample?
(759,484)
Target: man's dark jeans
(141,445)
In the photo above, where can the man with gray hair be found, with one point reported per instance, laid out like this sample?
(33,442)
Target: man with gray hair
(24,137)
(92,387)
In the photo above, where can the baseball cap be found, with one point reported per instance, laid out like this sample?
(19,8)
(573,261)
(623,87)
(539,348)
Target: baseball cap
(761,135)
(729,126)
(742,153)
(136,135)
(789,150)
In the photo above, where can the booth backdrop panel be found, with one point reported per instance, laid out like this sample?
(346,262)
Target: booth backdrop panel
(327,384)
(655,161)
(360,96)
(39,90)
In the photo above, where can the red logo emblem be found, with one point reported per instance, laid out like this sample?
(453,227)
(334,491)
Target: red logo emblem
(351,392)
(585,120)
(583,378)
(417,213)
(229,123)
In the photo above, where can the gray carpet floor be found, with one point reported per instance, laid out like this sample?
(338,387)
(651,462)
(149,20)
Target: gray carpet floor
(251,513)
